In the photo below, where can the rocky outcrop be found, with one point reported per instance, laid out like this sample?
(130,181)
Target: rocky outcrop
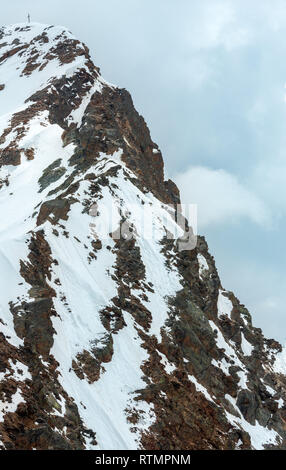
(47,418)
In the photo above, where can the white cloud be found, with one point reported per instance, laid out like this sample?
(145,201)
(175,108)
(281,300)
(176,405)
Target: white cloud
(269,179)
(217,24)
(220,197)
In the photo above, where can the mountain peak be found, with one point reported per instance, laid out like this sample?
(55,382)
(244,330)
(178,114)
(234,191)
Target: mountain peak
(33,28)
(111,335)
(25,33)
(41,36)
(40,52)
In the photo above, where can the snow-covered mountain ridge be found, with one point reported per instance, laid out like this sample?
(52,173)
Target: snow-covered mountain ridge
(110,342)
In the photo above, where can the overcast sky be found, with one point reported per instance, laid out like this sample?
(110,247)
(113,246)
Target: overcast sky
(209,78)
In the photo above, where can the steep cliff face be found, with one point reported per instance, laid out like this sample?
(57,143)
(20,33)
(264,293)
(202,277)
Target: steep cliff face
(111,338)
